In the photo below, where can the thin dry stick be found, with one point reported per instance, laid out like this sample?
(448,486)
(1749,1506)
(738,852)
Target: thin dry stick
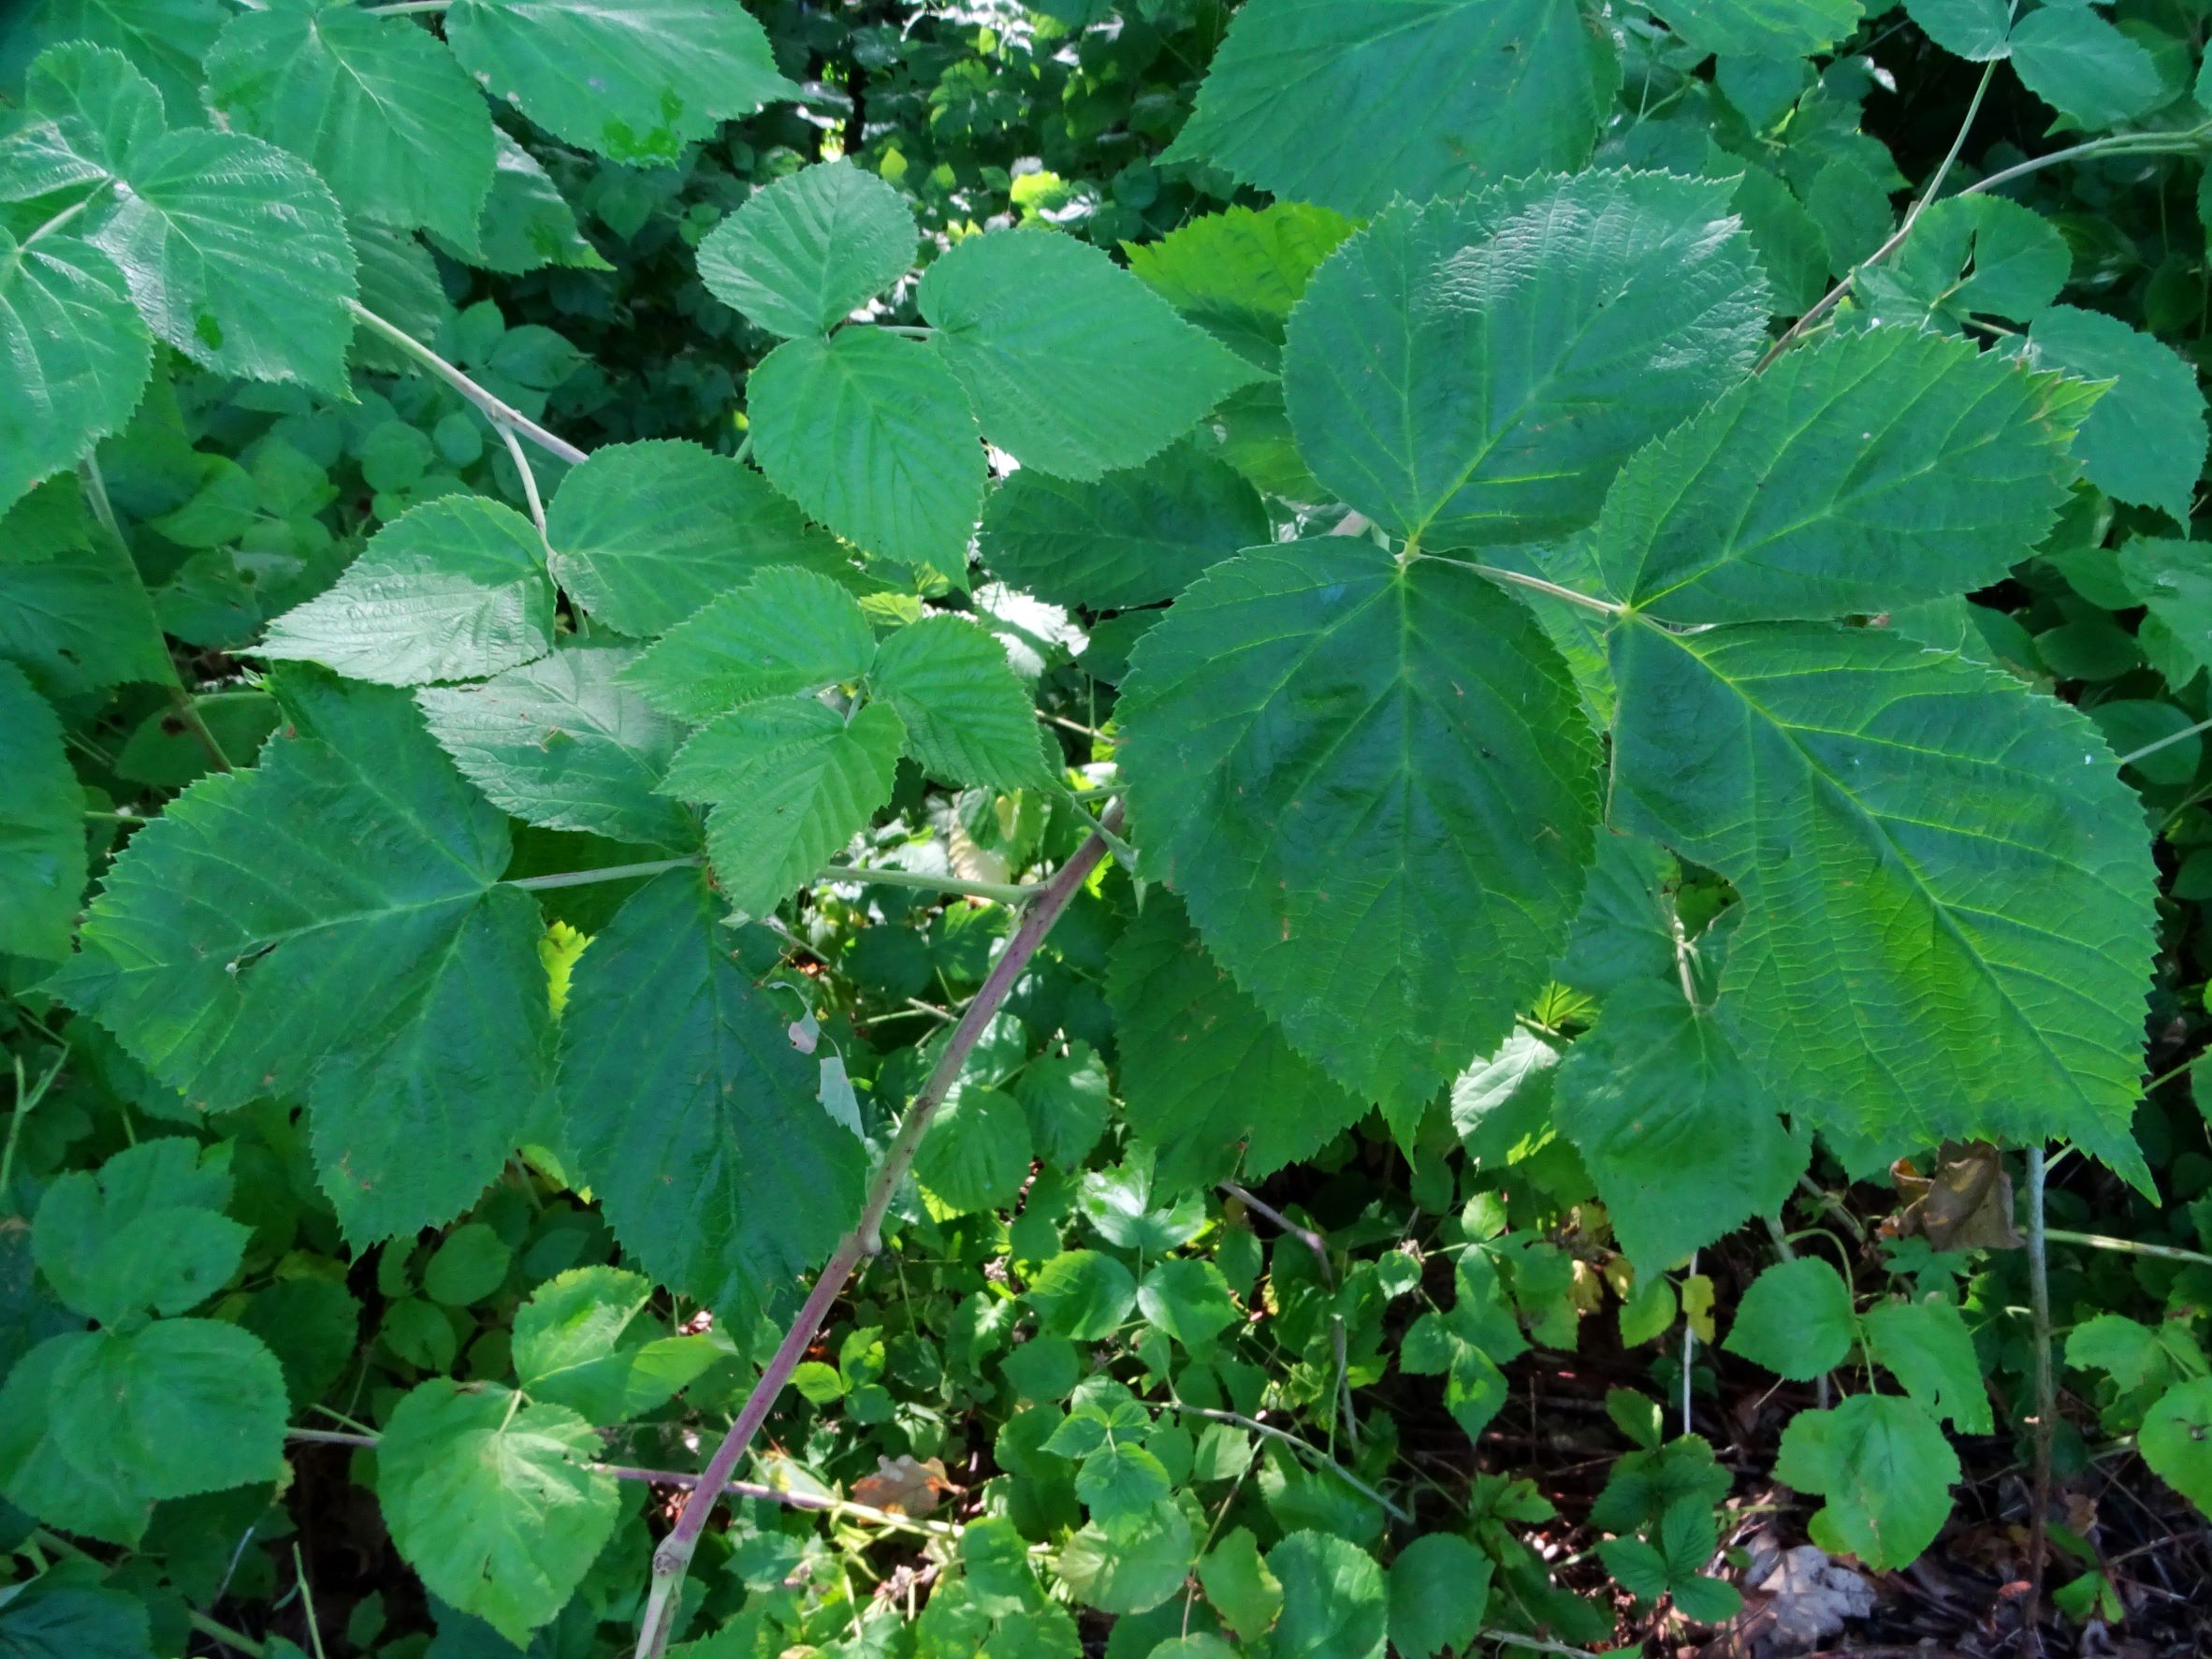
(673,1559)
(2046,1394)
(501,412)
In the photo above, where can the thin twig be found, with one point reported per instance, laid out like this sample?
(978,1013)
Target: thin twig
(307,1599)
(671,1561)
(886,876)
(2047,1393)
(498,409)
(1521,579)
(529,483)
(616,872)
(1314,1453)
(2097,1241)
(1342,1392)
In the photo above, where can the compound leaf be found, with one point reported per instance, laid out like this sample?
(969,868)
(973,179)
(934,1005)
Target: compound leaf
(967,718)
(1474,372)
(1351,105)
(78,357)
(1345,766)
(696,1122)
(787,631)
(808,249)
(1886,1469)
(1926,850)
(42,859)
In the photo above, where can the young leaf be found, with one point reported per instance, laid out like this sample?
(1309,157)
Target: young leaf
(1886,1469)
(1352,106)
(1796,1320)
(42,861)
(791,783)
(1315,715)
(644,534)
(175,1408)
(144,1234)
(377,106)
(634,79)
(1128,539)
(2083,66)
(331,925)
(2176,1440)
(1203,1072)
(1683,1142)
(874,436)
(805,252)
(578,1344)
(968,719)
(2145,439)
(1188,1298)
(976,1154)
(1083,1295)
(1237,274)
(1074,367)
(1473,373)
(1239,1583)
(492,1502)
(452,590)
(692,1116)
(785,632)
(1334,1604)
(1934,805)
(1925,1345)
(564,743)
(1439,1588)
(1957,466)
(78,357)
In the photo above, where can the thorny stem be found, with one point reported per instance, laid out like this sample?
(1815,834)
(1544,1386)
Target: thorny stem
(673,1559)
(2046,1394)
(307,1599)
(498,411)
(1688,1353)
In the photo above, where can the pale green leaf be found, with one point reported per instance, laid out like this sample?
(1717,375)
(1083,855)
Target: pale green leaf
(330,924)
(1683,1142)
(644,534)
(1345,766)
(37,1476)
(173,1408)
(1131,1566)
(1351,105)
(1473,373)
(2176,1440)
(806,251)
(1237,273)
(1926,1346)
(1500,1105)
(1334,1602)
(1868,471)
(872,435)
(2083,66)
(455,588)
(967,718)
(1120,1479)
(2145,439)
(1937,859)
(42,860)
(694,1118)
(494,1504)
(78,357)
(1083,1295)
(1203,1072)
(580,1341)
(376,105)
(1760,28)
(1796,1320)
(1188,1298)
(566,744)
(976,1154)
(1130,538)
(1886,1469)
(1439,1588)
(634,79)
(1239,1583)
(1074,366)
(786,631)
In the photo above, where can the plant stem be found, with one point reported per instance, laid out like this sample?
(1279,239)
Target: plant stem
(56,1544)
(307,1599)
(500,410)
(614,872)
(1320,1247)
(1319,1458)
(673,1559)
(408,8)
(2097,1241)
(1688,1353)
(2152,748)
(2046,1394)
(1520,579)
(888,877)
(26,1102)
(64,217)
(529,483)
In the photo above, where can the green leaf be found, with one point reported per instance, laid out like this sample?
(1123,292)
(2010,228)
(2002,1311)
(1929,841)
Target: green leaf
(2081,66)
(42,860)
(470,1264)
(1796,1320)
(967,718)
(1980,256)
(1188,1298)
(2145,439)
(1074,367)
(1873,470)
(37,1477)
(634,79)
(872,435)
(136,1238)
(2126,1349)
(494,1504)
(1240,1585)
(1473,373)
(164,40)
(1439,1588)
(78,357)
(1925,1345)
(692,1116)
(173,1408)
(2172,580)
(1128,539)
(565,744)
(526,223)
(1238,273)
(452,590)
(1623,932)
(976,1154)
(1886,1469)
(2175,1440)
(1334,1605)
(1351,105)
(1759,28)
(580,1343)
(1120,1479)
(1345,766)
(1203,1072)
(1682,1140)
(52,1618)
(377,106)
(791,783)
(787,631)
(1132,1567)
(331,925)
(1069,1102)
(1977,30)
(644,534)
(805,252)
(1926,849)
(1083,1295)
